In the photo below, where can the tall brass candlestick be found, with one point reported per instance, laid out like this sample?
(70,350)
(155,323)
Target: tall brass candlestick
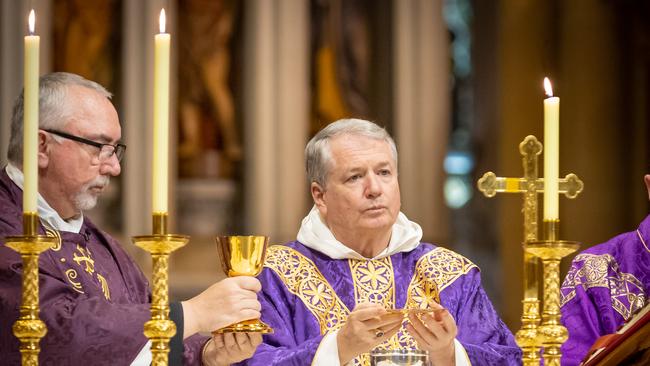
(551,251)
(160,328)
(29,328)
(530,185)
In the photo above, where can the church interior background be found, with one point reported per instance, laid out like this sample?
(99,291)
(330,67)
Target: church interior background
(457,82)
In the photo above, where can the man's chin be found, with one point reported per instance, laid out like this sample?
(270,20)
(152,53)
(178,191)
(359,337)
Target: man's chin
(377,223)
(86,202)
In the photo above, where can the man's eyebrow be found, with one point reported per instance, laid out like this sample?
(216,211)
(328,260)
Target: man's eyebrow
(354,169)
(383,164)
(103,138)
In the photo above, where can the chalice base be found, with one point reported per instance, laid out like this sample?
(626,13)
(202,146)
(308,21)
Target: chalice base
(247,326)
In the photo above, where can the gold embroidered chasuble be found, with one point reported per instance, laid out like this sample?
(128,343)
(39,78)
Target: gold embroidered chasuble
(373,281)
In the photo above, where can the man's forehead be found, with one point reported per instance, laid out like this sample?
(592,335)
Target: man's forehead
(355,142)
(350,150)
(93,115)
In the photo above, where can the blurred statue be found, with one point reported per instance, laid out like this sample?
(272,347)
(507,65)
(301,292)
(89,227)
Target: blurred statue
(209,140)
(341,60)
(82,39)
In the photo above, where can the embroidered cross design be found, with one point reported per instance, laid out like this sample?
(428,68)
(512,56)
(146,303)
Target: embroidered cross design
(84,257)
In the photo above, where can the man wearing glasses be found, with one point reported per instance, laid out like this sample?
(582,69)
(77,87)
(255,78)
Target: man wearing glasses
(94,298)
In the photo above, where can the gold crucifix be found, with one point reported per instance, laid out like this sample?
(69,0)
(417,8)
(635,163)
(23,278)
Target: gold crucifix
(530,185)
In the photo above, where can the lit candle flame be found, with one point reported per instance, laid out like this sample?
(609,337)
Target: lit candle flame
(32,21)
(547,87)
(161,21)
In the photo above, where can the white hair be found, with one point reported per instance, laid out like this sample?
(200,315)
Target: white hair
(53,112)
(318,154)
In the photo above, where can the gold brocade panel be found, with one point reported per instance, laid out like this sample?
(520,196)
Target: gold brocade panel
(373,281)
(303,279)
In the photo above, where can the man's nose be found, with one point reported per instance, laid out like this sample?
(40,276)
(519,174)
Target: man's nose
(111,166)
(373,186)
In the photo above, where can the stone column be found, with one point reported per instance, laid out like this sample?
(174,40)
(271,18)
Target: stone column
(422,111)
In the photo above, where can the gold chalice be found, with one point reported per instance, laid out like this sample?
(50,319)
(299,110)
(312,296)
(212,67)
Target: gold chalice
(243,256)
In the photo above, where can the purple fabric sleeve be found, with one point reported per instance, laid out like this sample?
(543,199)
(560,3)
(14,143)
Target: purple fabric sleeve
(588,318)
(485,337)
(193,349)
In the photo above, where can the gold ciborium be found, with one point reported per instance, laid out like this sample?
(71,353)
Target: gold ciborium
(243,256)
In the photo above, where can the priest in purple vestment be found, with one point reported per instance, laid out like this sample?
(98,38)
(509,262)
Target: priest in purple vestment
(93,297)
(605,286)
(328,295)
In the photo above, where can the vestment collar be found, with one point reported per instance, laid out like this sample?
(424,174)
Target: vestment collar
(47,214)
(313,233)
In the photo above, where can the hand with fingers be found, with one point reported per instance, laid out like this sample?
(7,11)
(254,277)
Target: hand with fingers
(228,348)
(367,326)
(435,333)
(226,302)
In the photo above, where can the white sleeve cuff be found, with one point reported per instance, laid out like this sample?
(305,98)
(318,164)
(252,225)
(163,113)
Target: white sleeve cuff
(327,353)
(461,355)
(144,357)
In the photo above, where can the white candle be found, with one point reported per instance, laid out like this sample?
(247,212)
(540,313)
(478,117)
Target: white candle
(30,119)
(161,119)
(551,153)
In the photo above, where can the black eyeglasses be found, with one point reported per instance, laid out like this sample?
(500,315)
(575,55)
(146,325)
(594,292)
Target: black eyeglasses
(105,150)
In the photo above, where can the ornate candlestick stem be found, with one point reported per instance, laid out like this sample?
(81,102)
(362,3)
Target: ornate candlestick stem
(551,251)
(160,328)
(29,328)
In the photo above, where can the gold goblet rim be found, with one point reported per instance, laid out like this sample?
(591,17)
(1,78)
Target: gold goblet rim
(225,249)
(242,236)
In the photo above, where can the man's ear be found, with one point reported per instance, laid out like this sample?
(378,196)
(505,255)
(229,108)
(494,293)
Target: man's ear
(317,193)
(646,179)
(43,150)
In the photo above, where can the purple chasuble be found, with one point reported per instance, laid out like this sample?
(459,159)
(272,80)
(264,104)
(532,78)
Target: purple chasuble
(605,286)
(93,297)
(306,294)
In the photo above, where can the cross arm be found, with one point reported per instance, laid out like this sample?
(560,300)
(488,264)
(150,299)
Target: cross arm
(490,185)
